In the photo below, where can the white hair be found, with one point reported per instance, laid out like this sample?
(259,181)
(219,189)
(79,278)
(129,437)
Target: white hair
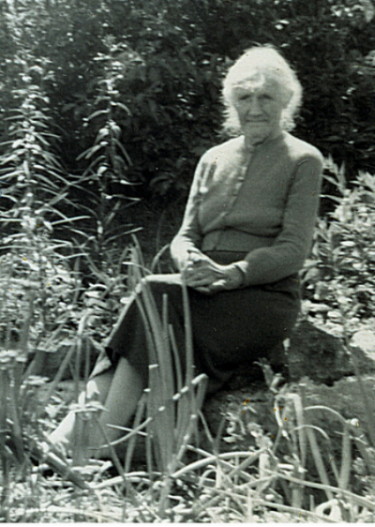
(268,63)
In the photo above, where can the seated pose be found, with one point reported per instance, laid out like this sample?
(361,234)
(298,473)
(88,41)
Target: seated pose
(246,232)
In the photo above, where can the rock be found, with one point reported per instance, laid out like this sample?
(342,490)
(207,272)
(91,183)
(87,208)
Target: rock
(322,356)
(320,373)
(352,399)
(242,417)
(325,370)
(315,353)
(311,352)
(235,417)
(364,340)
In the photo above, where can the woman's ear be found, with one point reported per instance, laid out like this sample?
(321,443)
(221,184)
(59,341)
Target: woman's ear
(286,96)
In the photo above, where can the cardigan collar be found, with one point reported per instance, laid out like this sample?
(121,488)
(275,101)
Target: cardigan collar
(249,149)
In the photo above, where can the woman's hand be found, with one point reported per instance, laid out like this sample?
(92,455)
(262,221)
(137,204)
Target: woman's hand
(206,276)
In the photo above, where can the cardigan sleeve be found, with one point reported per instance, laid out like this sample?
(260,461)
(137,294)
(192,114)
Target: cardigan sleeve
(189,235)
(291,247)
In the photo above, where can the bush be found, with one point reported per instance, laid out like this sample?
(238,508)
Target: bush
(340,274)
(173,56)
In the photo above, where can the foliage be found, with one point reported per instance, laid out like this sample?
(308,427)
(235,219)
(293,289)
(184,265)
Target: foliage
(37,286)
(108,161)
(174,395)
(39,204)
(271,480)
(304,470)
(339,275)
(173,55)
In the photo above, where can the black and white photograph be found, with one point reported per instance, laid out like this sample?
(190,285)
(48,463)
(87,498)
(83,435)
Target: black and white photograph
(187,261)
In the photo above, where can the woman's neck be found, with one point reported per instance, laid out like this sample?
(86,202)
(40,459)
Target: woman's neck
(252,141)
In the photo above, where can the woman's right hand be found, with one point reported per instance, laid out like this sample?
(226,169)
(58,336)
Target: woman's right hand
(206,276)
(195,274)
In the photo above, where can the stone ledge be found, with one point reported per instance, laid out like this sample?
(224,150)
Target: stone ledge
(235,415)
(324,358)
(318,354)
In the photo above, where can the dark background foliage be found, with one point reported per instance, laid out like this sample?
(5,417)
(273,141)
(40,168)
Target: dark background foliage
(169,58)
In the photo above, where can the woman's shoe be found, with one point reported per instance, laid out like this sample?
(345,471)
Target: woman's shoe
(43,455)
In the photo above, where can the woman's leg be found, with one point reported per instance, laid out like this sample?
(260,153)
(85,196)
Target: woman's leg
(119,392)
(97,388)
(232,329)
(120,404)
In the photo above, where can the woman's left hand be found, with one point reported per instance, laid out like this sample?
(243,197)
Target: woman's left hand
(206,276)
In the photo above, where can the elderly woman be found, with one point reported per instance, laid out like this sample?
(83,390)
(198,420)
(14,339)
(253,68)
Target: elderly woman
(246,231)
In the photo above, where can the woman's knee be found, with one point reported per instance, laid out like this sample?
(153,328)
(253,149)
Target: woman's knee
(97,388)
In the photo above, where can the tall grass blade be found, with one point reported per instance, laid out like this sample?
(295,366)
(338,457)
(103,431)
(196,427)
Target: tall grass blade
(346,459)
(367,402)
(319,463)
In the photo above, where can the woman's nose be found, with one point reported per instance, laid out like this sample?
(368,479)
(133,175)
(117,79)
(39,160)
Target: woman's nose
(254,106)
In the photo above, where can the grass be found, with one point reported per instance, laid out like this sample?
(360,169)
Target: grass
(299,475)
(177,481)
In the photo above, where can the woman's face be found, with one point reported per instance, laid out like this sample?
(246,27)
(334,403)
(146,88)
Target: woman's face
(259,103)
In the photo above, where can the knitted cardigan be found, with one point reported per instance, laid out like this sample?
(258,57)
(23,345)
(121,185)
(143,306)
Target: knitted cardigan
(261,202)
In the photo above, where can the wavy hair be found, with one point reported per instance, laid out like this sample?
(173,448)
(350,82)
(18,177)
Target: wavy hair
(267,61)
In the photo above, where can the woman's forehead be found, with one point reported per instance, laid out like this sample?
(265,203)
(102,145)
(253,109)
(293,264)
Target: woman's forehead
(255,83)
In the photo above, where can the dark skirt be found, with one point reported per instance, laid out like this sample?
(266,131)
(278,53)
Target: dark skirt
(231,329)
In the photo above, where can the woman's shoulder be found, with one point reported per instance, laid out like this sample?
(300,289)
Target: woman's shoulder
(299,149)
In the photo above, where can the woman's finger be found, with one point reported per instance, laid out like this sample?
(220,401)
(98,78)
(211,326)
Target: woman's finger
(218,285)
(196,279)
(198,282)
(213,288)
(204,289)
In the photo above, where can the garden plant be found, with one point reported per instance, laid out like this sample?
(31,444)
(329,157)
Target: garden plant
(105,108)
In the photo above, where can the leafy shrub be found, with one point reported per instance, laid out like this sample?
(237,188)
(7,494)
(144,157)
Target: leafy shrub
(175,55)
(36,284)
(107,165)
(340,274)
